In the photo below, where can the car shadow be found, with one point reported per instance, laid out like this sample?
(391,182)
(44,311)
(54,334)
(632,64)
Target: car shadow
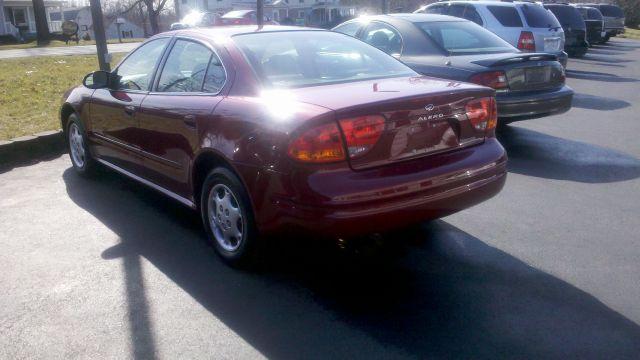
(606,51)
(600,103)
(429,291)
(597,76)
(605,59)
(618,45)
(536,154)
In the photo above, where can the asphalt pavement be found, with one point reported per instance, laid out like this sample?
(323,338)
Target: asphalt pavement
(550,268)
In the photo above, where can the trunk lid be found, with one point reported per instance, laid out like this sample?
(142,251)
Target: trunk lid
(528,71)
(422,115)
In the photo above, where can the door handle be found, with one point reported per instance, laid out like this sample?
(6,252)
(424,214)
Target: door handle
(190,121)
(129,109)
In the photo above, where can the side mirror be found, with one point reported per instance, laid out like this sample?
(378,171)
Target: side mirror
(99,80)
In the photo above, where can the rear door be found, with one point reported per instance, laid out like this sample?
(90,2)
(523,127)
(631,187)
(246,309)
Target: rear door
(185,94)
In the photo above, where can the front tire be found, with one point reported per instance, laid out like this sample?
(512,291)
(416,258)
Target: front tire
(81,158)
(228,218)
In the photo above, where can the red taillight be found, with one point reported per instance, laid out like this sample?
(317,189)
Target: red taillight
(492,79)
(362,133)
(527,42)
(320,144)
(482,113)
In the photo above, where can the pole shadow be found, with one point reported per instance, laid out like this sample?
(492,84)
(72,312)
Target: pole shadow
(536,154)
(429,291)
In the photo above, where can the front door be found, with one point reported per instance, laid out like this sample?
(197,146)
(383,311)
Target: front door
(114,112)
(185,95)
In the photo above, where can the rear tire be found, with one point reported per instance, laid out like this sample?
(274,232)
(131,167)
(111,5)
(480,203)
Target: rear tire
(228,218)
(81,159)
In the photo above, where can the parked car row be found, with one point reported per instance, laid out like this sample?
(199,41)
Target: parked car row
(527,26)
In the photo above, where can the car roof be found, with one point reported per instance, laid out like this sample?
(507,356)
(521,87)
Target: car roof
(484,2)
(229,31)
(414,17)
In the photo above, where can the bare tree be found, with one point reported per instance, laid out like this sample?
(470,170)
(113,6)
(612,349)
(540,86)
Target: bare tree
(42,27)
(141,11)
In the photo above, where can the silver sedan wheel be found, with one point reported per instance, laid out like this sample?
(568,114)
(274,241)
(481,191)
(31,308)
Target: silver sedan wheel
(225,218)
(76,145)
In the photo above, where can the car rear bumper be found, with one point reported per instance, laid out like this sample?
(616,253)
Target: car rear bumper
(353,203)
(514,107)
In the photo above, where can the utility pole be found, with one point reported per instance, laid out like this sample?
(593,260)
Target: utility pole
(384,6)
(260,12)
(176,5)
(100,37)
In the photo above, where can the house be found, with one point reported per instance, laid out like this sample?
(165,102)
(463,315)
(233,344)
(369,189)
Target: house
(300,12)
(82,16)
(17,19)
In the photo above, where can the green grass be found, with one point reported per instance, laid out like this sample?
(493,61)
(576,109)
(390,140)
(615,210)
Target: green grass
(58,43)
(31,90)
(631,33)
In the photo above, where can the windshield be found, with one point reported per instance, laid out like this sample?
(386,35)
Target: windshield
(539,17)
(464,37)
(307,58)
(568,16)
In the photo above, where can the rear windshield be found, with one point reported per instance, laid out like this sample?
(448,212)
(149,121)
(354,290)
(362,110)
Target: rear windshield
(594,14)
(611,10)
(507,16)
(464,37)
(538,17)
(307,58)
(567,15)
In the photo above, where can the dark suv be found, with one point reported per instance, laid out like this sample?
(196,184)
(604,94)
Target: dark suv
(613,19)
(575,31)
(594,22)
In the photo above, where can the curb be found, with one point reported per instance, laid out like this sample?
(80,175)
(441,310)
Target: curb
(29,148)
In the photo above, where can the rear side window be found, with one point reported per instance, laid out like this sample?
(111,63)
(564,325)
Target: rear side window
(506,15)
(383,37)
(612,11)
(539,17)
(567,15)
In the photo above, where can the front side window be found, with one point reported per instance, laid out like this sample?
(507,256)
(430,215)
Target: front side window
(308,58)
(471,14)
(185,68)
(136,70)
(383,37)
(464,37)
(350,29)
(435,9)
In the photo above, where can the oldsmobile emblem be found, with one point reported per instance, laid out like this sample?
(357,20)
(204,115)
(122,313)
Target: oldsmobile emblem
(429,107)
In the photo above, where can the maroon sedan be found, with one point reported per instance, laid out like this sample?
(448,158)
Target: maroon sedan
(287,129)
